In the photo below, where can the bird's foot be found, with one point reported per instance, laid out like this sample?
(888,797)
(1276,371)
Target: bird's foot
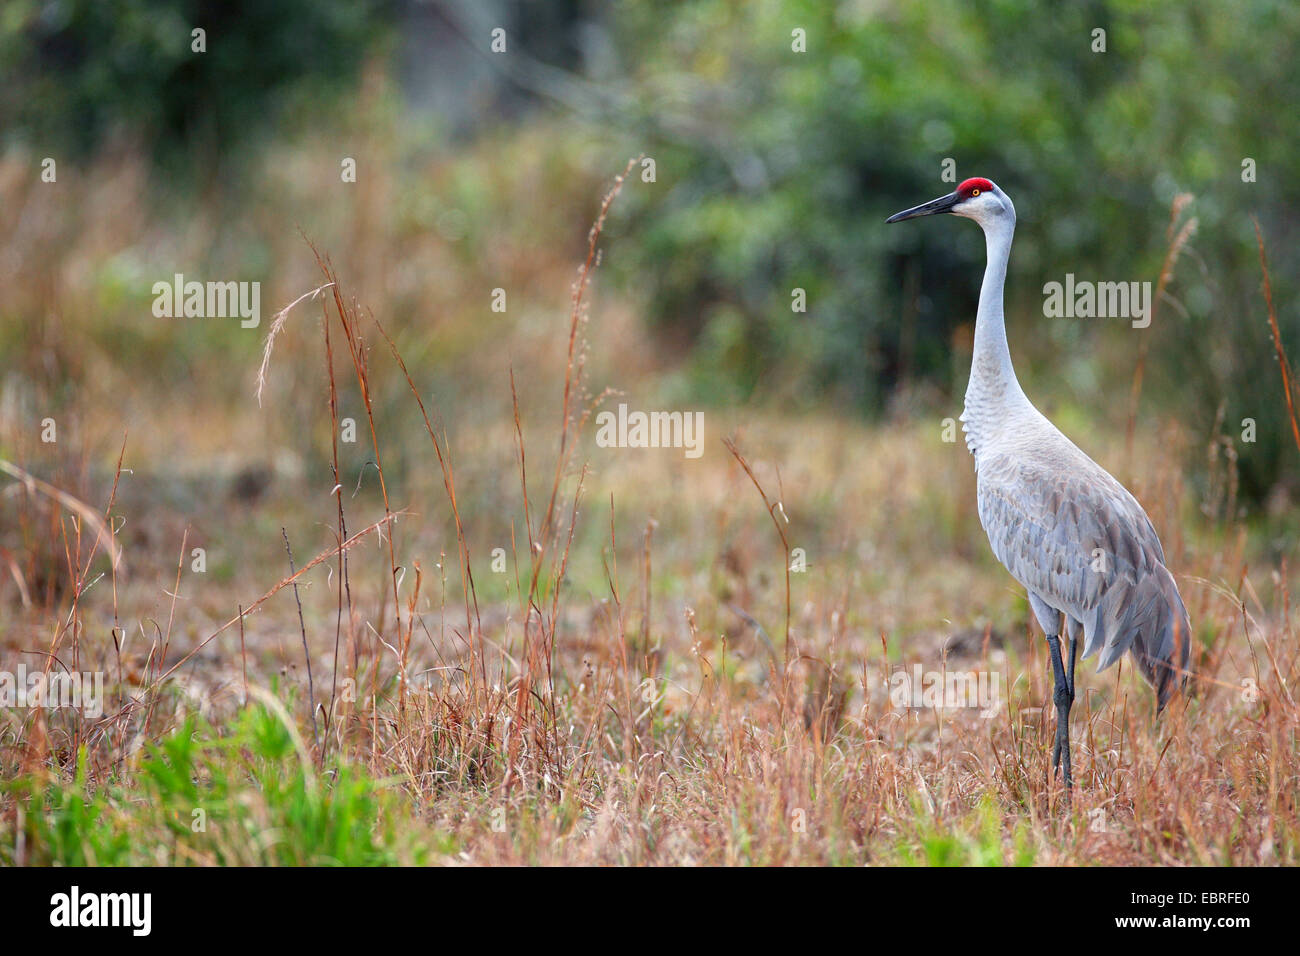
(1061,755)
(1064,700)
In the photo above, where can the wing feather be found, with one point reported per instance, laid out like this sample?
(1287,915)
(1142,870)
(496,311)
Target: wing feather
(1075,538)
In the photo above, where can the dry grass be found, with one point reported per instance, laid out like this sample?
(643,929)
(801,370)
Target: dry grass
(625,692)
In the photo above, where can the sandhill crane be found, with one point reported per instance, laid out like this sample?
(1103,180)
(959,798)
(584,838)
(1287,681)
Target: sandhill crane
(1069,532)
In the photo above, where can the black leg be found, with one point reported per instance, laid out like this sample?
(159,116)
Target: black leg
(1054,651)
(1063,697)
(1074,656)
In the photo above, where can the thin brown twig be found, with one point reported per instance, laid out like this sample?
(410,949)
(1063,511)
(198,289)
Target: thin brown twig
(323,556)
(1282,363)
(306,652)
(772,507)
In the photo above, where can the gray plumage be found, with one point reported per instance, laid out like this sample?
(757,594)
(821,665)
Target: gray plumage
(1082,547)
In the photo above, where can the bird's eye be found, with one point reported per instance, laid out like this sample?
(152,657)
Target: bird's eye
(974,192)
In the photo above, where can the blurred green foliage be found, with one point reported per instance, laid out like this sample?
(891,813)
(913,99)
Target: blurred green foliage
(79,71)
(777,169)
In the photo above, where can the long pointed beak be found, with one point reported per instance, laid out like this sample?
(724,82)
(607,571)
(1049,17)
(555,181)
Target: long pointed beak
(942,204)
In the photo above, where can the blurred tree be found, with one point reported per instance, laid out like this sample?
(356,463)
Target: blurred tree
(78,71)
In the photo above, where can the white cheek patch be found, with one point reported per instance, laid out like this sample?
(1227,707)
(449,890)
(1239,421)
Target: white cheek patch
(986,203)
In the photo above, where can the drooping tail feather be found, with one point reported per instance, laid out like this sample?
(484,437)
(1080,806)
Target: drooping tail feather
(1147,618)
(1163,648)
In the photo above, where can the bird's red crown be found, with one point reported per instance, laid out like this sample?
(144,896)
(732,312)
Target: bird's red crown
(973,187)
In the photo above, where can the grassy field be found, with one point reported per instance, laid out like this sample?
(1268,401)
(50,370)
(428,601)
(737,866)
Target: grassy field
(532,649)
